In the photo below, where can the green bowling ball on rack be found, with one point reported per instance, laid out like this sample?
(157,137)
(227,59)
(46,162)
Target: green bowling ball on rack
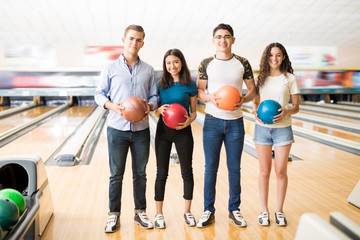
(16,197)
(9,213)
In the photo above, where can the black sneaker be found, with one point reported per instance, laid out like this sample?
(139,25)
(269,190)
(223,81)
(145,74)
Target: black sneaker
(280,219)
(112,224)
(237,218)
(206,219)
(143,220)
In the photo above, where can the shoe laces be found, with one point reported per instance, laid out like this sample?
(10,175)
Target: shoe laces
(189,216)
(264,214)
(205,215)
(280,215)
(159,217)
(112,219)
(143,216)
(237,214)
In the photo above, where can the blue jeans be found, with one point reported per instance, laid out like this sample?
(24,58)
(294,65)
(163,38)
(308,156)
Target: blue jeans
(215,132)
(118,145)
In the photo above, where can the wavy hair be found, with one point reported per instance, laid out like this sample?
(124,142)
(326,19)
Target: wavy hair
(167,80)
(264,70)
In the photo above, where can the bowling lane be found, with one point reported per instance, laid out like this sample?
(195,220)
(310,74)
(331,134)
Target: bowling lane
(352,108)
(326,175)
(355,137)
(22,117)
(328,115)
(331,112)
(46,138)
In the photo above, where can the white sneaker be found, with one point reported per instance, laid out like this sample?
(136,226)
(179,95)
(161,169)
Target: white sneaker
(189,219)
(143,220)
(264,219)
(159,221)
(206,219)
(237,218)
(112,224)
(280,219)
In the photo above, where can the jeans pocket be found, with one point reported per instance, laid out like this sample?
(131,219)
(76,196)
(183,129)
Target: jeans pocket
(208,116)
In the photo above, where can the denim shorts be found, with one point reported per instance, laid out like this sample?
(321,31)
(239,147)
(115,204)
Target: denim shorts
(273,136)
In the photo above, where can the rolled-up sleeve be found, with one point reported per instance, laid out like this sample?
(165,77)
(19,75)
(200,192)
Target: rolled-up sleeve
(153,94)
(103,87)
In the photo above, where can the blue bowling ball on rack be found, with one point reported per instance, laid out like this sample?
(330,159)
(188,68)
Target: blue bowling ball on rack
(267,110)
(9,213)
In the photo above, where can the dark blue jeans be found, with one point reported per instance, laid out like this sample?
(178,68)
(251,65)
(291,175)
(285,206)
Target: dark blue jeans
(119,143)
(215,132)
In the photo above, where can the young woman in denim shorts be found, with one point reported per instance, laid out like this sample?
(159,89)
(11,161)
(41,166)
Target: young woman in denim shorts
(276,81)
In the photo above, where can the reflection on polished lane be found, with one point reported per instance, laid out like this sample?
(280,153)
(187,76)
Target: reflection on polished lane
(46,138)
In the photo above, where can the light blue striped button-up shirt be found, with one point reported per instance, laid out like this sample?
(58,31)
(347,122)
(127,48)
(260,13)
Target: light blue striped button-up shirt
(118,83)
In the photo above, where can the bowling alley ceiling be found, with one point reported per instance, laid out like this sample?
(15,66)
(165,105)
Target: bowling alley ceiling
(182,23)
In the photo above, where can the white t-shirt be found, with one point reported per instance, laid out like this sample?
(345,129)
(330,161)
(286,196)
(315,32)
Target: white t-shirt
(280,89)
(219,73)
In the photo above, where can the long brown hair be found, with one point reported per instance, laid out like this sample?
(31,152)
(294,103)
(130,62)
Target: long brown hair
(167,80)
(264,70)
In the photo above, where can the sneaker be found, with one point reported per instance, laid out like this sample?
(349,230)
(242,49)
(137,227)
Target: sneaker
(206,219)
(237,218)
(159,221)
(112,224)
(189,220)
(264,219)
(143,220)
(280,219)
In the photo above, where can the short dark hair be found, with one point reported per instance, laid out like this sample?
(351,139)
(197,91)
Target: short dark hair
(224,27)
(135,28)
(166,80)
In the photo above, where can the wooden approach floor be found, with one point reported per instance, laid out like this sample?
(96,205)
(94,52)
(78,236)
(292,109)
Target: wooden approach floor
(320,183)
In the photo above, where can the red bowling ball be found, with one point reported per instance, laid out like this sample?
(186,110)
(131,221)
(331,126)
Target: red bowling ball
(229,96)
(134,109)
(174,114)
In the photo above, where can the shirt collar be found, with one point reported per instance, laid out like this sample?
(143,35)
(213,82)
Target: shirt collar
(124,60)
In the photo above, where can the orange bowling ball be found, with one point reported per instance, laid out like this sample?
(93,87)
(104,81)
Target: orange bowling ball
(229,96)
(134,109)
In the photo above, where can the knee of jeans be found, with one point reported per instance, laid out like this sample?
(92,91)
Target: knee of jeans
(141,174)
(116,178)
(161,176)
(211,172)
(188,177)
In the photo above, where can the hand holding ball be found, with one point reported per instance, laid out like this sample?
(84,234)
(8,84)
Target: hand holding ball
(228,97)
(174,114)
(267,110)
(134,109)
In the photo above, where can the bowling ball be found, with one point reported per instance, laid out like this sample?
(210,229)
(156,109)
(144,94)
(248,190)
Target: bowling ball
(267,110)
(135,109)
(9,213)
(229,96)
(174,114)
(16,197)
